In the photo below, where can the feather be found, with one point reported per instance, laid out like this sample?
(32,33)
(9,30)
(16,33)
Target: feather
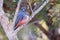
(21,16)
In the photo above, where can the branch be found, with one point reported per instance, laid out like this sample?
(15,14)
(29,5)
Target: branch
(1,4)
(39,9)
(30,5)
(16,12)
(5,24)
(3,18)
(45,31)
(1,8)
(33,14)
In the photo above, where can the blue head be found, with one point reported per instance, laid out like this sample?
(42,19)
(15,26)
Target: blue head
(23,8)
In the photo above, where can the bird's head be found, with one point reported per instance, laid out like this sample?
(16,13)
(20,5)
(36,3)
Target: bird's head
(24,8)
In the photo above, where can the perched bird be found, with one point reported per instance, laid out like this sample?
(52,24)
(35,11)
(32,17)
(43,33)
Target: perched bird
(22,17)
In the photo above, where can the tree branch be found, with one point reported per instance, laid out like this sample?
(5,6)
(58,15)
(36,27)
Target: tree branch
(33,14)
(5,24)
(45,31)
(16,12)
(1,4)
(5,21)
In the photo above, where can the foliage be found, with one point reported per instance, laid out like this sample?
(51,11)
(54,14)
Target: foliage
(32,28)
(58,1)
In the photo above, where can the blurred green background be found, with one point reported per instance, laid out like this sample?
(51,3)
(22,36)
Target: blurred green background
(30,31)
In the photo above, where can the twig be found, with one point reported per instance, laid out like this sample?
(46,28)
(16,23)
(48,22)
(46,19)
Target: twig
(16,12)
(33,14)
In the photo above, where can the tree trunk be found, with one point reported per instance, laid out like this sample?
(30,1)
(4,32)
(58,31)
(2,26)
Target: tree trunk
(11,34)
(5,24)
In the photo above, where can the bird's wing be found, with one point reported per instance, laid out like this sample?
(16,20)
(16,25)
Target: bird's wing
(23,21)
(19,18)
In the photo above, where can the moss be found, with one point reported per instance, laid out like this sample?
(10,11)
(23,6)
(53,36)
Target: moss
(58,1)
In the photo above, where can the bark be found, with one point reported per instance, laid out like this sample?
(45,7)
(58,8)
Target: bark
(33,14)
(11,34)
(45,31)
(5,23)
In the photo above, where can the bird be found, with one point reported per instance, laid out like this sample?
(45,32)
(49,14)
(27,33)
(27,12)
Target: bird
(22,18)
